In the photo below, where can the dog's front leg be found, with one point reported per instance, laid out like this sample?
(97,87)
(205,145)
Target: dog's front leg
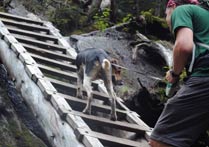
(88,88)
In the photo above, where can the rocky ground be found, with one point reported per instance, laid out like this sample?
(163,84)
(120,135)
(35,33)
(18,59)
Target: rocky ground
(18,126)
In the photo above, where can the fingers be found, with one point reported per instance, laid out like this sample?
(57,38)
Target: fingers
(170,78)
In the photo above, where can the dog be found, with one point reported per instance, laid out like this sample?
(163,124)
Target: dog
(93,64)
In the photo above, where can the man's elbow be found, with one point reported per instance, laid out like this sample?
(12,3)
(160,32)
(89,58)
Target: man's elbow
(184,46)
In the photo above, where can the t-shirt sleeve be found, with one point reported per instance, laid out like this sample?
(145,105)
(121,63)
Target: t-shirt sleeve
(181,17)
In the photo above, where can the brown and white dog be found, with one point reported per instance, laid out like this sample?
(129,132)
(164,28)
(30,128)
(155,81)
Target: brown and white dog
(92,64)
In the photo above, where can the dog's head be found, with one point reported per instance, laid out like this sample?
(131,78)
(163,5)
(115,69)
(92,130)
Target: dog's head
(116,73)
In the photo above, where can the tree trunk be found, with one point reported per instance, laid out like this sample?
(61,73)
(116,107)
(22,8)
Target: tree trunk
(137,7)
(113,10)
(95,6)
(158,7)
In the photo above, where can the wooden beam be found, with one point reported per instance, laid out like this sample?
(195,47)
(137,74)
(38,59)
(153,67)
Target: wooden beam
(19,18)
(48,53)
(38,36)
(100,121)
(25,26)
(79,104)
(107,140)
(70,76)
(40,44)
(52,62)
(72,88)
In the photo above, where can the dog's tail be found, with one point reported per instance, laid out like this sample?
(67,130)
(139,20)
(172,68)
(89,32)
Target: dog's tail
(106,65)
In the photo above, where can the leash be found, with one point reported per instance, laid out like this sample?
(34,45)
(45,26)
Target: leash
(151,77)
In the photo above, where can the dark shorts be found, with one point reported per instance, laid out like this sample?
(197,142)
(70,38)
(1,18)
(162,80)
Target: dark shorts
(186,115)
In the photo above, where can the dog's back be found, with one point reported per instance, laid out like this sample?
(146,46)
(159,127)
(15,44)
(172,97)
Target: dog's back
(89,57)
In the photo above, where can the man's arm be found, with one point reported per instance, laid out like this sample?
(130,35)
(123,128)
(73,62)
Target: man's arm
(181,52)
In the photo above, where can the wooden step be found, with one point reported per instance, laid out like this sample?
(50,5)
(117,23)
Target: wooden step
(38,36)
(106,122)
(25,26)
(79,104)
(107,140)
(48,53)
(20,18)
(68,76)
(40,44)
(53,63)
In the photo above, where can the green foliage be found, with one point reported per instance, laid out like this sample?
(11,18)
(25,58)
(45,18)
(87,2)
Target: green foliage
(65,18)
(127,18)
(33,6)
(22,135)
(124,91)
(160,92)
(2,9)
(102,19)
(150,18)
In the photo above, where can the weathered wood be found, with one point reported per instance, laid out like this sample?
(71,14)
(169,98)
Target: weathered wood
(40,44)
(79,104)
(38,36)
(107,140)
(72,89)
(70,76)
(19,18)
(52,62)
(25,26)
(100,121)
(48,53)
(34,72)
(63,87)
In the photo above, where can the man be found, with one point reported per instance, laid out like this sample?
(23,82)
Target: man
(186,114)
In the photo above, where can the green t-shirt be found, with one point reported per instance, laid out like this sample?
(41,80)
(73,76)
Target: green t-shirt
(197,19)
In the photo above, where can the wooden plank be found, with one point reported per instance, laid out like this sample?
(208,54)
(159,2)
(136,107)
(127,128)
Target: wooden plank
(63,87)
(52,62)
(107,140)
(79,105)
(33,34)
(25,26)
(19,18)
(40,44)
(72,77)
(109,123)
(45,52)
(70,89)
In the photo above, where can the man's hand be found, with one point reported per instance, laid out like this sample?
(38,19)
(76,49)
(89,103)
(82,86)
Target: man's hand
(171,77)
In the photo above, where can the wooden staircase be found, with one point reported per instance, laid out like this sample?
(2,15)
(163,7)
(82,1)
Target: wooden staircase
(34,38)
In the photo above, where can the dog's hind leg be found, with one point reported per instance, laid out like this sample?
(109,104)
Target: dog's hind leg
(107,78)
(113,103)
(88,88)
(112,95)
(80,74)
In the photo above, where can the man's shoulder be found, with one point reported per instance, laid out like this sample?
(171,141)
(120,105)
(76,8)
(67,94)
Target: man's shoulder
(188,7)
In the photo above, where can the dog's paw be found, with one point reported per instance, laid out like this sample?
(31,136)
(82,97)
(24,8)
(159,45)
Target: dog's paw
(113,117)
(79,96)
(85,98)
(87,111)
